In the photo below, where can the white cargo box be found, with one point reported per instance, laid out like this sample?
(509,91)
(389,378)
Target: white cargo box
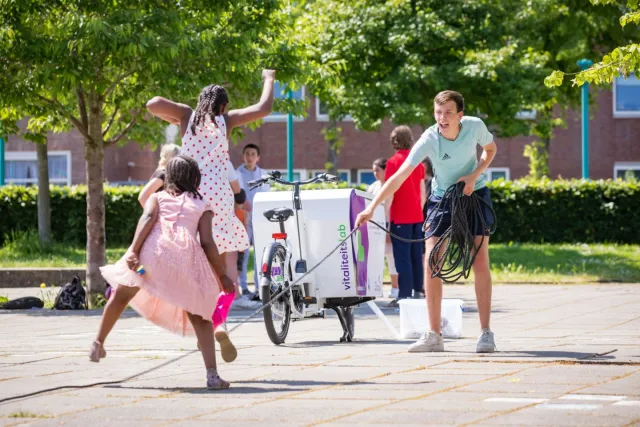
(327,216)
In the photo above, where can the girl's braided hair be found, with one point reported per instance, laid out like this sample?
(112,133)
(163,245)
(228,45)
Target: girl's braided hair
(210,102)
(183,175)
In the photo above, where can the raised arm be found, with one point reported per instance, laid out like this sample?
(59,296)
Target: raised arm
(172,112)
(263,108)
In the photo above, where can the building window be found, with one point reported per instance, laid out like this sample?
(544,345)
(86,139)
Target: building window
(21,167)
(322,114)
(298,174)
(365,176)
(626,97)
(626,170)
(491,174)
(343,174)
(280,92)
(526,115)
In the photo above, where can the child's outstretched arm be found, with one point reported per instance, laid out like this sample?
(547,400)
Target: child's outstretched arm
(145,224)
(257,111)
(211,251)
(170,111)
(152,186)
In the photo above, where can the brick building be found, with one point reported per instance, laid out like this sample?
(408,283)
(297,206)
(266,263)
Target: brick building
(614,150)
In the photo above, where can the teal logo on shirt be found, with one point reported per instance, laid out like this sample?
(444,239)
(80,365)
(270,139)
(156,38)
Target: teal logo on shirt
(446,157)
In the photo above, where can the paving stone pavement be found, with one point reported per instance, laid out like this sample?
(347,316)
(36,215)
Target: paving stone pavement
(543,374)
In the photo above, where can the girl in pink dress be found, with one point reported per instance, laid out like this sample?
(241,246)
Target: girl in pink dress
(176,288)
(205,137)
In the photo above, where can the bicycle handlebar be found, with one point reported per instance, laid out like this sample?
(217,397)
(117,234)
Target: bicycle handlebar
(274,176)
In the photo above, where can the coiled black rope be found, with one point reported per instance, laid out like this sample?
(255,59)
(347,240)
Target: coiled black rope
(455,251)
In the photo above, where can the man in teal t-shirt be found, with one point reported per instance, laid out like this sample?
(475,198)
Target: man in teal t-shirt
(451,146)
(452,159)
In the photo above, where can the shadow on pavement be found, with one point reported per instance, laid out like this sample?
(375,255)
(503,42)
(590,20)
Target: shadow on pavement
(551,354)
(266,386)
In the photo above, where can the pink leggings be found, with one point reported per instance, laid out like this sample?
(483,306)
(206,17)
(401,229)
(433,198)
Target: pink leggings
(222,308)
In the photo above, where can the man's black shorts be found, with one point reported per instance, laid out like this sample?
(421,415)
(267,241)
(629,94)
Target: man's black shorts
(438,226)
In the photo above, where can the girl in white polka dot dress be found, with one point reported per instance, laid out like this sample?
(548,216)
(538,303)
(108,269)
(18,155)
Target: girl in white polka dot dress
(205,137)
(206,141)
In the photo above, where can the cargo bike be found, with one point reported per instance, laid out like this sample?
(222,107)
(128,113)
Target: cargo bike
(293,231)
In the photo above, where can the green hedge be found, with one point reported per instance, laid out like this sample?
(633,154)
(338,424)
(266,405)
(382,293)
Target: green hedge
(528,211)
(18,211)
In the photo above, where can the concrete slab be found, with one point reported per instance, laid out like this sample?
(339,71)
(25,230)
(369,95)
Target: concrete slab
(547,371)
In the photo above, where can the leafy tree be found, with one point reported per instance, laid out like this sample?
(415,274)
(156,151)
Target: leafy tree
(36,131)
(622,60)
(96,63)
(375,59)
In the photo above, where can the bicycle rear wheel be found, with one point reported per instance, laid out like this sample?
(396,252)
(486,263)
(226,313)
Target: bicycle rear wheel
(277,316)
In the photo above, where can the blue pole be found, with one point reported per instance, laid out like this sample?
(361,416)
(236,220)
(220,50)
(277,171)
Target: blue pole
(289,141)
(584,64)
(1,156)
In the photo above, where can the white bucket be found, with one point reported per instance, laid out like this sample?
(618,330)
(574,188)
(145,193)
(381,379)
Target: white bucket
(414,318)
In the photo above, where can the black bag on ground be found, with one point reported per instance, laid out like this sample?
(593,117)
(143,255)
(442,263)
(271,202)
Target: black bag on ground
(24,303)
(72,296)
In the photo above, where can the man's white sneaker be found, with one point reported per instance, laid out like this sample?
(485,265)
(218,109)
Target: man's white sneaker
(486,343)
(427,343)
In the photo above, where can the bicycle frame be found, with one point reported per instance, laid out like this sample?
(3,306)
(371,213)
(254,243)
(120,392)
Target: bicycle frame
(339,289)
(300,266)
(288,277)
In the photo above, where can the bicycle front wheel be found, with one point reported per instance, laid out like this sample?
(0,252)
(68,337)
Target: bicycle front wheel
(277,316)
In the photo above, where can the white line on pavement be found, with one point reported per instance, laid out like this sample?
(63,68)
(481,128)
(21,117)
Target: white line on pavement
(603,397)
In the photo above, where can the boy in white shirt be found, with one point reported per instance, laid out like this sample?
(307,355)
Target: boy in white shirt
(250,171)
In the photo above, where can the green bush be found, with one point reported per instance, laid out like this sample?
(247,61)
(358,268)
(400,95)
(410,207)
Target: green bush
(19,212)
(527,211)
(566,211)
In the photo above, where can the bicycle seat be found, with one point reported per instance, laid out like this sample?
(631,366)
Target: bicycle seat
(278,214)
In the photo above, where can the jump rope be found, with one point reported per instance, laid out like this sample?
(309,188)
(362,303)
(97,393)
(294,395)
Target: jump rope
(451,259)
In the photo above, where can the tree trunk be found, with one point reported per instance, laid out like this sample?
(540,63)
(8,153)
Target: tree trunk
(545,155)
(331,135)
(94,159)
(44,199)
(538,150)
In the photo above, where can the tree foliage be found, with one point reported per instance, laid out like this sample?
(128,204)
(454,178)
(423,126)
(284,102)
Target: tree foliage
(622,60)
(379,59)
(96,63)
